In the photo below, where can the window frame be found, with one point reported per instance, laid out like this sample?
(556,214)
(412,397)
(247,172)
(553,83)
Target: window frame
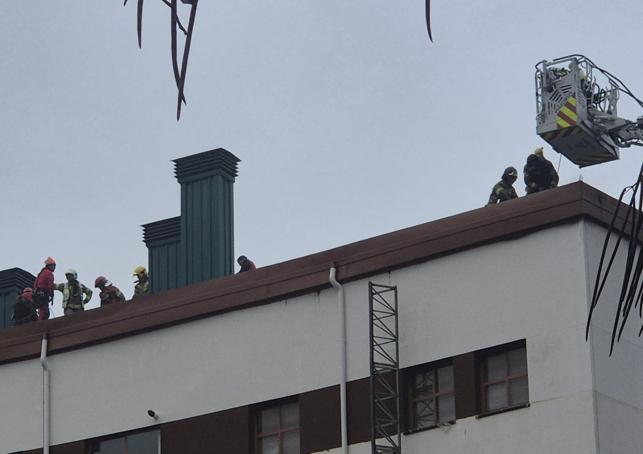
(256,423)
(503,350)
(410,400)
(92,444)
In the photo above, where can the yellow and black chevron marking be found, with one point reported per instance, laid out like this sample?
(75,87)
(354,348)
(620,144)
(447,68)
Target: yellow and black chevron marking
(560,133)
(567,114)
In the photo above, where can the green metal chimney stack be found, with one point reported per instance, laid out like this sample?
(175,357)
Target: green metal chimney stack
(207,215)
(199,244)
(163,241)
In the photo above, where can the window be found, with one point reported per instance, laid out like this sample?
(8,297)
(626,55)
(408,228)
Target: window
(277,429)
(131,443)
(504,379)
(432,398)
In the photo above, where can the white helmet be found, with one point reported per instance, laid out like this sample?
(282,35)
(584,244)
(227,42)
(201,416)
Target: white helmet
(72,272)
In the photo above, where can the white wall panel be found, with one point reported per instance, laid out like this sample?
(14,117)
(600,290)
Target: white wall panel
(20,405)
(531,287)
(619,378)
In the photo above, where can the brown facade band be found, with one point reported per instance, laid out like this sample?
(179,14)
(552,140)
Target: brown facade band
(231,431)
(308,274)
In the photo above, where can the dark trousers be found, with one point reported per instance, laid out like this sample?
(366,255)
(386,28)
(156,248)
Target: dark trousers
(69,310)
(42,304)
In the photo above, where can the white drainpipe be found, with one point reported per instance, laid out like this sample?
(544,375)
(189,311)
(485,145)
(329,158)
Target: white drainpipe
(45,395)
(342,379)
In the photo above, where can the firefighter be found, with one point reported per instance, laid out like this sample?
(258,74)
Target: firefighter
(540,174)
(142,286)
(504,190)
(73,292)
(246,264)
(109,293)
(24,310)
(43,293)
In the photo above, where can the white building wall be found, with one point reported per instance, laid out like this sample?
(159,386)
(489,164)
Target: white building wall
(532,287)
(619,378)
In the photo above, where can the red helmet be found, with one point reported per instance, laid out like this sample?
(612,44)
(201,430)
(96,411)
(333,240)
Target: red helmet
(50,261)
(100,281)
(27,293)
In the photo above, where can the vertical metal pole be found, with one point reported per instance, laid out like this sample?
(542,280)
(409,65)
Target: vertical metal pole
(372,366)
(397,372)
(45,395)
(341,308)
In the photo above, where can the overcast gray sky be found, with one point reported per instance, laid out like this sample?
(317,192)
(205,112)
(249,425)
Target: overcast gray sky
(347,121)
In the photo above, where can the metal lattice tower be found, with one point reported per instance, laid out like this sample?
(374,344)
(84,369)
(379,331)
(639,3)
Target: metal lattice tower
(385,376)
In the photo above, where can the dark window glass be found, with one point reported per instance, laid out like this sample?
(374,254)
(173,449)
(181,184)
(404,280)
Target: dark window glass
(504,380)
(277,429)
(432,399)
(133,443)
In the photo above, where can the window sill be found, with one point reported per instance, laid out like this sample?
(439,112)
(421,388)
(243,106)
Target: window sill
(423,429)
(502,410)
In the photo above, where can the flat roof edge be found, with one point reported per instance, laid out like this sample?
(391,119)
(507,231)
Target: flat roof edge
(310,273)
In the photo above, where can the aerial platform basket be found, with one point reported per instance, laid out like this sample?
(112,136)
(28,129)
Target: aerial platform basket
(576,112)
(579,145)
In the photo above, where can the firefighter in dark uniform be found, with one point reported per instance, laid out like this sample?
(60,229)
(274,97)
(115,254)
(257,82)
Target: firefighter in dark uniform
(24,310)
(109,293)
(245,264)
(540,174)
(504,190)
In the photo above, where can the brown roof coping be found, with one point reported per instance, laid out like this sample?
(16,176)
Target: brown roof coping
(310,273)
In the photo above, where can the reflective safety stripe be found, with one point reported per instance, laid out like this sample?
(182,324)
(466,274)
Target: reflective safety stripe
(67,296)
(567,115)
(562,123)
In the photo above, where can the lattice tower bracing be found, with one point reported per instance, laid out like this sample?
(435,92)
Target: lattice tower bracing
(385,375)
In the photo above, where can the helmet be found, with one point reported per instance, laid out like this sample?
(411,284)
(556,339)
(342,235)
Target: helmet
(27,290)
(50,261)
(27,294)
(539,151)
(241,259)
(72,272)
(533,160)
(510,171)
(100,281)
(139,270)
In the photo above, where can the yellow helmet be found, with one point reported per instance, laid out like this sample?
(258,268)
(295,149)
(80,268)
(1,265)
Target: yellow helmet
(139,270)
(539,151)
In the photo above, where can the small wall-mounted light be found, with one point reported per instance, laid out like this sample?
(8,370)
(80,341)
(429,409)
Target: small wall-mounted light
(152,414)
